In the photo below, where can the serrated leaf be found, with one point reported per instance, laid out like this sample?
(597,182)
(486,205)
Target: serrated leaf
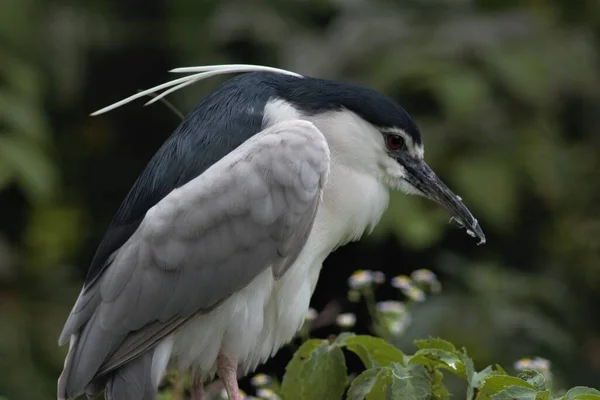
(515,393)
(500,370)
(436,358)
(470,373)
(381,388)
(317,371)
(435,343)
(478,377)
(496,383)
(371,350)
(582,393)
(535,378)
(411,383)
(363,384)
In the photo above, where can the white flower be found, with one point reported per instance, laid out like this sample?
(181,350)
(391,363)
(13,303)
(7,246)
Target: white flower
(423,275)
(360,278)
(415,294)
(266,394)
(402,282)
(523,363)
(346,320)
(259,380)
(541,364)
(391,306)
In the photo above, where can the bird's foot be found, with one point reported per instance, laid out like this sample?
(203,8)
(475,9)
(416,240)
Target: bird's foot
(227,370)
(198,389)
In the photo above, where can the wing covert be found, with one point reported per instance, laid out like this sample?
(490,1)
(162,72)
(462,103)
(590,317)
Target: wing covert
(206,240)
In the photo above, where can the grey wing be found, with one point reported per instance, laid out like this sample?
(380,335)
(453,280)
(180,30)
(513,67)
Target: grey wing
(204,241)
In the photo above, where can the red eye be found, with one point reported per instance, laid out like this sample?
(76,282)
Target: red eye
(394,142)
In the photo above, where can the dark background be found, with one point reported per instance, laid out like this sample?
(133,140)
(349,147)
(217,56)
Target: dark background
(506,94)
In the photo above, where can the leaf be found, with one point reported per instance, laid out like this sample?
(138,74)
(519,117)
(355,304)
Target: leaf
(381,388)
(435,343)
(317,371)
(478,377)
(535,378)
(516,393)
(372,351)
(363,384)
(582,393)
(496,383)
(435,358)
(411,382)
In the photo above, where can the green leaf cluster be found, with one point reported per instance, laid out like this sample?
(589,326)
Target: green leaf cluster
(318,371)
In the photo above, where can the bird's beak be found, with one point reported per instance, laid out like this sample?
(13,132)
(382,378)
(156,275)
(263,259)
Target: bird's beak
(422,177)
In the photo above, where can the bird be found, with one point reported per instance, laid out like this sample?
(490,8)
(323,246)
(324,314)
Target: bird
(210,262)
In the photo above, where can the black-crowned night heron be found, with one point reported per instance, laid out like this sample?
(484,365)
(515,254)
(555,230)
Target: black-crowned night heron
(212,258)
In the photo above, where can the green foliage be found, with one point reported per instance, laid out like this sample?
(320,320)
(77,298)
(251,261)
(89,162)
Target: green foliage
(320,363)
(318,371)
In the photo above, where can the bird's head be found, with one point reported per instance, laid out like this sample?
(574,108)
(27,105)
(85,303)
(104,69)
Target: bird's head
(406,169)
(376,134)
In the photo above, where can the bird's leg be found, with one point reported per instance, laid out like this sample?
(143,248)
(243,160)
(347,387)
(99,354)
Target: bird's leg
(227,370)
(197,388)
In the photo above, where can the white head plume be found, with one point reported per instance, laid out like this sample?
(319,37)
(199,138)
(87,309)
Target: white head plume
(200,73)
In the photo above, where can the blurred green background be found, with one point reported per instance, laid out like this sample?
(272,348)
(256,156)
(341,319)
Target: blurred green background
(506,93)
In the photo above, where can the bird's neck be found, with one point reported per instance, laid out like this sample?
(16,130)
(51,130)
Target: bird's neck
(353,203)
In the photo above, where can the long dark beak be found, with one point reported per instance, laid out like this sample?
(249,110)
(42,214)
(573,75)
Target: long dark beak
(422,177)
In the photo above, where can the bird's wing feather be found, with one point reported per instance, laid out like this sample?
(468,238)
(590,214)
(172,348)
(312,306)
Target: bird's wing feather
(201,243)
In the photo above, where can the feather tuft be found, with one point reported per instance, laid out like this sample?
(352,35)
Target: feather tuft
(199,73)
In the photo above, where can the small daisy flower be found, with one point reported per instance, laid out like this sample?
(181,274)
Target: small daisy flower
(428,278)
(415,294)
(266,394)
(423,275)
(541,364)
(391,307)
(523,364)
(402,282)
(360,278)
(346,320)
(260,380)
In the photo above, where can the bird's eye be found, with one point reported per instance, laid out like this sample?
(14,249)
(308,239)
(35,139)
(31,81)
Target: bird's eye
(394,142)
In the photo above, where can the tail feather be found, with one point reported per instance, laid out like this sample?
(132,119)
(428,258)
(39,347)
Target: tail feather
(133,381)
(87,352)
